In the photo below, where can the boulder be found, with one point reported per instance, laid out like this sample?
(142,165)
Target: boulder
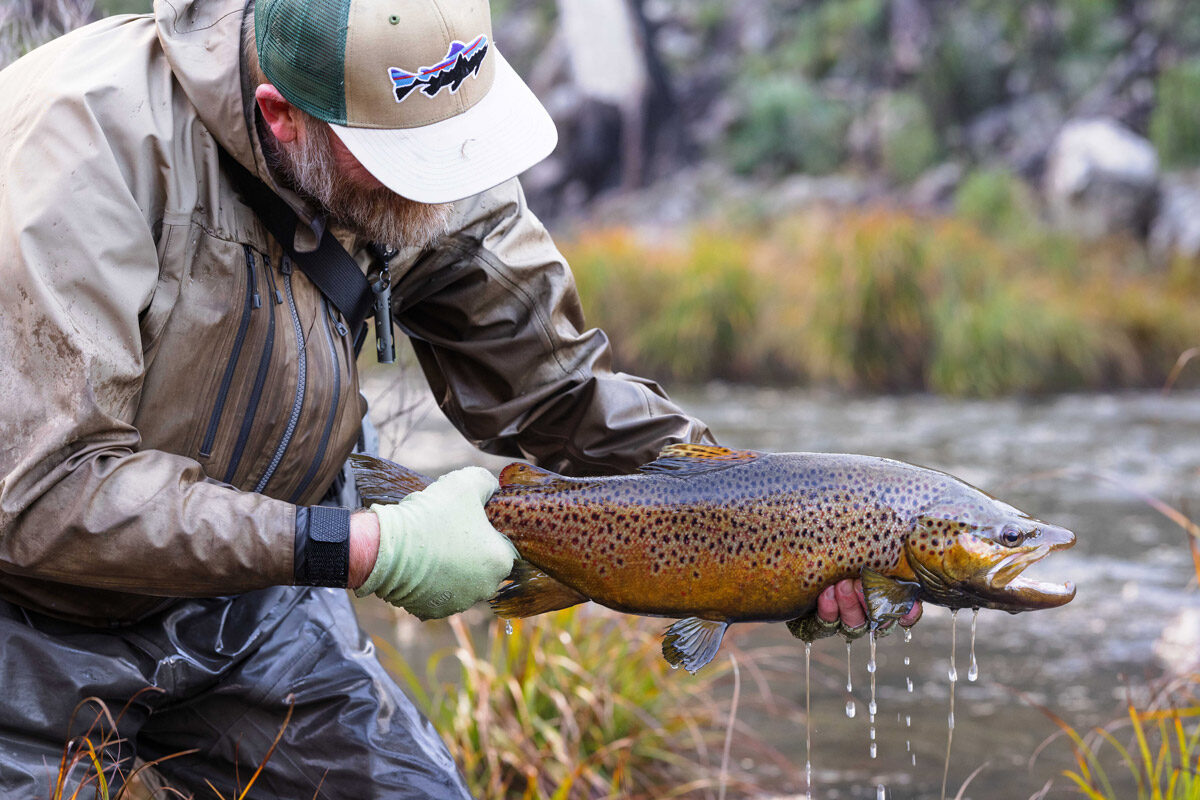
(1176,226)
(1101,178)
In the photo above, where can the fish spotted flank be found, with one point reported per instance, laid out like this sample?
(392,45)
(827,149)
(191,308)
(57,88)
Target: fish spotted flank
(716,536)
(460,61)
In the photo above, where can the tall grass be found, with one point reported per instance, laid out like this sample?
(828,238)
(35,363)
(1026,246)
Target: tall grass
(576,704)
(887,300)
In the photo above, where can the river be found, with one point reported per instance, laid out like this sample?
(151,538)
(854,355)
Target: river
(1087,462)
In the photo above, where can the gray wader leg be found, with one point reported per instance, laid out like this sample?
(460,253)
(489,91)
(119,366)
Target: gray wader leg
(229,668)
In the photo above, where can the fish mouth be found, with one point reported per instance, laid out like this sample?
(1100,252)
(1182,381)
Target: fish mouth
(1013,590)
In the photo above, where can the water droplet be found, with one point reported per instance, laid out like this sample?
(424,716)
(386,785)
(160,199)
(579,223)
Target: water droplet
(874,749)
(850,711)
(508,628)
(973,672)
(849,683)
(880,792)
(872,733)
(953,673)
(907,635)
(674,666)
(907,661)
(872,708)
(807,721)
(950,720)
(909,682)
(907,721)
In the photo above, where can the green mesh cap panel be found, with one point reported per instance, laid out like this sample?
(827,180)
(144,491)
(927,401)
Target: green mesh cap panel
(302,50)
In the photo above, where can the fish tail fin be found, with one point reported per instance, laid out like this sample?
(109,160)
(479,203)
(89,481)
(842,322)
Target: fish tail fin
(691,643)
(381,481)
(532,592)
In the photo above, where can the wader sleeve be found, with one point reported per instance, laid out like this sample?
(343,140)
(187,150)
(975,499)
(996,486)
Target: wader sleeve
(80,502)
(498,329)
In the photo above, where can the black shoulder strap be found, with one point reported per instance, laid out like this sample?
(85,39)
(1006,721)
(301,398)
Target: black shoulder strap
(329,266)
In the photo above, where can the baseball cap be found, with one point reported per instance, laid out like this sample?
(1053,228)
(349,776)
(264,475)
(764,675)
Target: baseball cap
(415,89)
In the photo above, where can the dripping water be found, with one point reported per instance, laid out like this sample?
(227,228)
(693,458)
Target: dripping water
(953,673)
(973,670)
(807,722)
(508,628)
(849,684)
(872,708)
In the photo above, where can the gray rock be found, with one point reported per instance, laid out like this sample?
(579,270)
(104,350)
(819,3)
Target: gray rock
(1176,226)
(1101,178)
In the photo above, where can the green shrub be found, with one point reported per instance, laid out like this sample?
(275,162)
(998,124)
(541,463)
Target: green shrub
(786,125)
(1175,122)
(997,200)
(909,143)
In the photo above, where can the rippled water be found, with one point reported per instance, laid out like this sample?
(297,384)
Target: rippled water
(1085,462)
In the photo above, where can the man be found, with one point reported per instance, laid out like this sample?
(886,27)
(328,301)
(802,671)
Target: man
(178,395)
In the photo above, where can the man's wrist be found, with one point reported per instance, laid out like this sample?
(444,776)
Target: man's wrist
(364,546)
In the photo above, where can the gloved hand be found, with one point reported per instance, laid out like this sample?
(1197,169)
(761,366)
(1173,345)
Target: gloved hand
(438,554)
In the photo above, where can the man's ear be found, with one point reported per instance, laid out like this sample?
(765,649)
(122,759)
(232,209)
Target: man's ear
(280,115)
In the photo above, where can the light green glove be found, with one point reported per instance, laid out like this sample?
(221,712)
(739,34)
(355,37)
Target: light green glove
(438,554)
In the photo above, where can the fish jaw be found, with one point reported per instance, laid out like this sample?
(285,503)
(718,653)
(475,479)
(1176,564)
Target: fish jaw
(993,574)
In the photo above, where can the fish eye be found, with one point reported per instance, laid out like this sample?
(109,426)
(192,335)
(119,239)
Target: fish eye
(1011,536)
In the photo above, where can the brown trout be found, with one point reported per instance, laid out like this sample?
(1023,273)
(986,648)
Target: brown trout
(716,536)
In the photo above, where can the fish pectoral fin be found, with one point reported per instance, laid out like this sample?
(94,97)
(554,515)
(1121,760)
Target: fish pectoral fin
(888,599)
(687,459)
(691,643)
(532,592)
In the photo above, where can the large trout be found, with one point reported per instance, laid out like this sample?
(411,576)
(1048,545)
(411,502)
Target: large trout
(716,536)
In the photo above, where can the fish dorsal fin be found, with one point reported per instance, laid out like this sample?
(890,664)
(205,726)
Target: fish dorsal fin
(381,481)
(521,474)
(887,599)
(691,643)
(685,459)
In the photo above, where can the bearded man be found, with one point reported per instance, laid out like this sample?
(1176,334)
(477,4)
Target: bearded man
(179,394)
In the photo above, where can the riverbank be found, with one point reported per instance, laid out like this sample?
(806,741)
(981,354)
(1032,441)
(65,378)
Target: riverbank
(890,300)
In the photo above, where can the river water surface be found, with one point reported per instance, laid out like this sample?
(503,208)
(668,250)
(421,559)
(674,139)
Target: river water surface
(1087,462)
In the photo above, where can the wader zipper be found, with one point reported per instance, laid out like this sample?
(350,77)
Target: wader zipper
(301,375)
(260,379)
(252,302)
(329,315)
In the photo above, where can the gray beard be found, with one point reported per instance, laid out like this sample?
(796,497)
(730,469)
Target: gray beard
(377,214)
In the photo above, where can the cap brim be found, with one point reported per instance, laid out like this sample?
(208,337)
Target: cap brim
(498,138)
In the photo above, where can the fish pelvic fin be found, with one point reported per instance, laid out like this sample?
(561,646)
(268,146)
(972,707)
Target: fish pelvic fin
(691,643)
(521,474)
(684,459)
(381,481)
(888,599)
(531,592)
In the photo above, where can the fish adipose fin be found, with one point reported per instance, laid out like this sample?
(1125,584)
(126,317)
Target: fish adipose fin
(532,592)
(382,481)
(887,598)
(691,643)
(686,459)
(521,474)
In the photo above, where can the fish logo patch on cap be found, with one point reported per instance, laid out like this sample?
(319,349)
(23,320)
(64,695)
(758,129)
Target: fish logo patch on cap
(461,60)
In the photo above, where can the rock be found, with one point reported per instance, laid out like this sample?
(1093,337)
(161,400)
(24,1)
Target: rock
(1101,178)
(1178,647)
(1176,226)
(936,186)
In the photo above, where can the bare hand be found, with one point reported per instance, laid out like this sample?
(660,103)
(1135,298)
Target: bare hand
(844,601)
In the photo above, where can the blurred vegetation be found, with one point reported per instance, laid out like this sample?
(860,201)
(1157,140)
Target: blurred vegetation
(575,704)
(886,300)
(1175,124)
